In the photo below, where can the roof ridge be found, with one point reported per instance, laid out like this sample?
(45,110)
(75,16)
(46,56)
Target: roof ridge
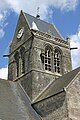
(38,19)
(58,79)
(44,25)
(62,76)
(24,92)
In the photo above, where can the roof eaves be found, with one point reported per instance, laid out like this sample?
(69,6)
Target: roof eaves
(58,31)
(26,19)
(59,92)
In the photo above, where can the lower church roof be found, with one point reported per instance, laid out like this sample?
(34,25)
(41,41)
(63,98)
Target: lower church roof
(57,86)
(14,103)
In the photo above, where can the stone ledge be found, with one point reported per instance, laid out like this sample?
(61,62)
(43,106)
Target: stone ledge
(49,36)
(45,72)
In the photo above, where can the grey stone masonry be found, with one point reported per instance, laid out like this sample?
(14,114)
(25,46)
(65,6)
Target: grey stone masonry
(73,98)
(53,108)
(36,78)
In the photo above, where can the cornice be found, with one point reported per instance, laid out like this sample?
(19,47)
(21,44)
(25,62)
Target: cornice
(47,37)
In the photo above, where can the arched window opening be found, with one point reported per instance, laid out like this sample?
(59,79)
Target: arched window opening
(48,58)
(57,61)
(22,52)
(16,56)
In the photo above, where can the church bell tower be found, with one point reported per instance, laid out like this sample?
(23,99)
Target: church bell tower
(38,54)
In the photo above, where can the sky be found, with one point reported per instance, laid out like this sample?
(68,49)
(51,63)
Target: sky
(64,14)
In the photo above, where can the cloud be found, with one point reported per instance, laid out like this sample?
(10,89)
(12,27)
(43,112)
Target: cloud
(17,5)
(3,23)
(75,42)
(4,73)
(31,5)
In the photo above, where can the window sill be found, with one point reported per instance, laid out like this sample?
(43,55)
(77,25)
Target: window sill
(58,74)
(19,77)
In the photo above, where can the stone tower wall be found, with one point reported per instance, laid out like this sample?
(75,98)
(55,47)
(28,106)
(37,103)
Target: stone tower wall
(36,78)
(41,78)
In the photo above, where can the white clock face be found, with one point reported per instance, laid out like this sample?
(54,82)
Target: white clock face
(20,33)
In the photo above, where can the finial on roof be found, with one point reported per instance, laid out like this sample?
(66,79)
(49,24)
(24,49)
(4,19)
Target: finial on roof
(38,16)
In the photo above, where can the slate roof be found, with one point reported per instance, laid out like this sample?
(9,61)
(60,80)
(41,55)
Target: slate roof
(14,103)
(58,85)
(43,26)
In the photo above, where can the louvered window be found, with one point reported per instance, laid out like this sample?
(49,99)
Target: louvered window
(22,54)
(48,59)
(57,61)
(16,56)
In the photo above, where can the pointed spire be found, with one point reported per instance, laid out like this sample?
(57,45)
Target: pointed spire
(38,16)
